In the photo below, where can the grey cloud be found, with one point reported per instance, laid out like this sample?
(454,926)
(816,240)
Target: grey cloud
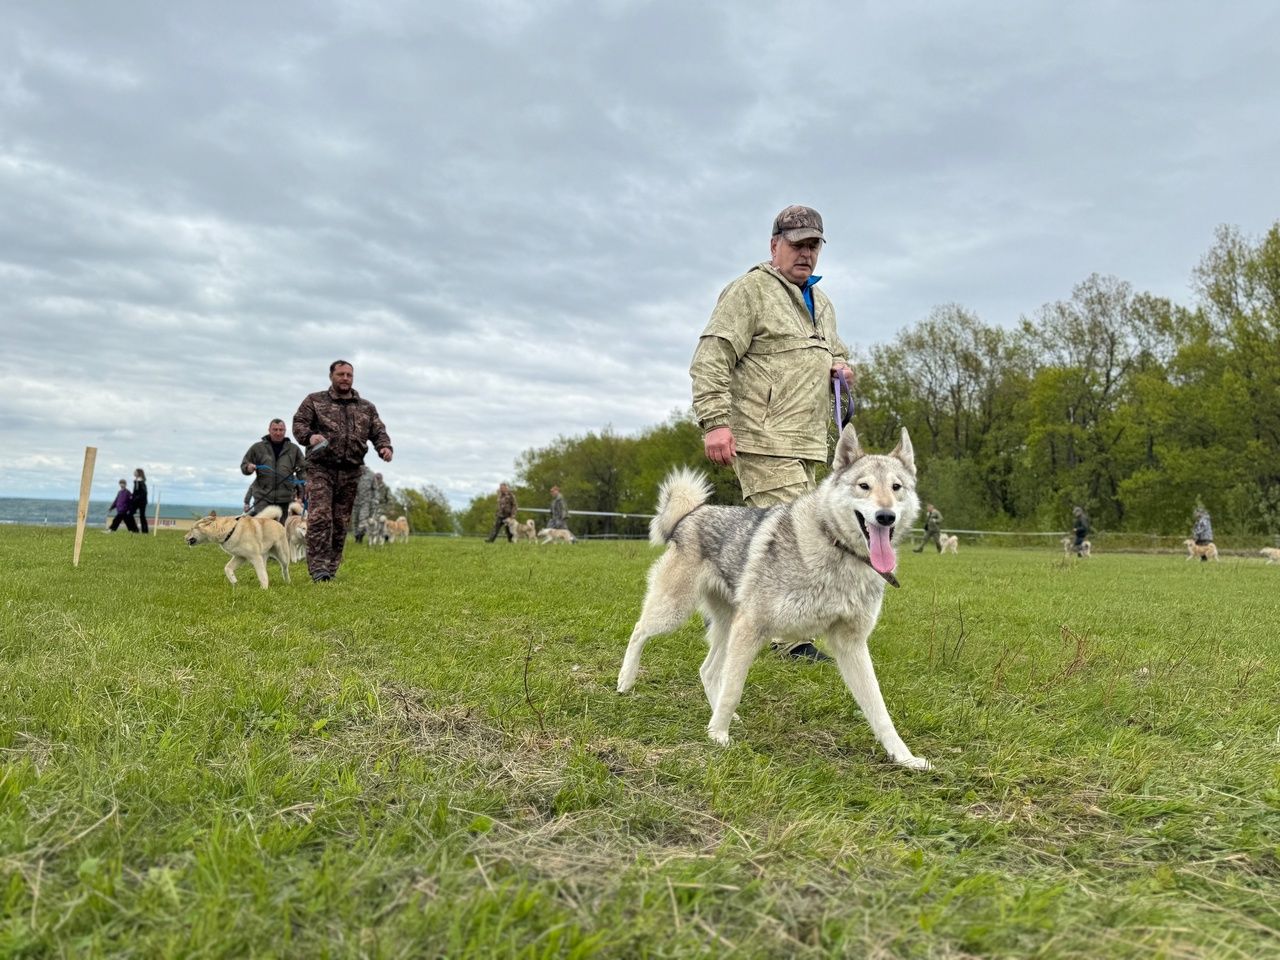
(515,217)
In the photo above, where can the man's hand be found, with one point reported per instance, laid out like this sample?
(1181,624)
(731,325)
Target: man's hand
(315,438)
(385,453)
(844,372)
(719,446)
(246,468)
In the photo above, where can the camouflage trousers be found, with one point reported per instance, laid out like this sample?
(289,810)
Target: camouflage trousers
(331,494)
(769,481)
(930,536)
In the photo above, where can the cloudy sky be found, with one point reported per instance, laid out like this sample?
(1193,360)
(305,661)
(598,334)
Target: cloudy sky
(514,217)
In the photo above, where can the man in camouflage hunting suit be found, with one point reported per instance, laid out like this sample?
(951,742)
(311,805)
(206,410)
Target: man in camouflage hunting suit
(371,500)
(762,372)
(932,529)
(506,508)
(335,427)
(275,462)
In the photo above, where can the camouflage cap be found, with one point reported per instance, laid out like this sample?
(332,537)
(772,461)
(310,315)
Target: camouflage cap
(797,223)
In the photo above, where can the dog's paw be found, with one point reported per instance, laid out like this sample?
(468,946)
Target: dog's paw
(913,763)
(720,737)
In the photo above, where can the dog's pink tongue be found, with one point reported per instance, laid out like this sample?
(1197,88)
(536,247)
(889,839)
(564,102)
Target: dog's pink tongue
(882,558)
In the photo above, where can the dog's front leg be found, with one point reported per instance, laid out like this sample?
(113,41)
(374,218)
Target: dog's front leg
(260,568)
(854,660)
(230,569)
(745,641)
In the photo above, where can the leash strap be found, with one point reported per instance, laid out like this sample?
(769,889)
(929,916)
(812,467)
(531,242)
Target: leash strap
(232,530)
(842,416)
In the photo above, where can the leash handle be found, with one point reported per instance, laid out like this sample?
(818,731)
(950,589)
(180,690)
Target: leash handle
(842,416)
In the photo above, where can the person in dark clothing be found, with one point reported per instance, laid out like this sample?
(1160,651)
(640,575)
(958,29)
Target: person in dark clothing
(277,462)
(335,427)
(1080,527)
(506,511)
(138,502)
(123,513)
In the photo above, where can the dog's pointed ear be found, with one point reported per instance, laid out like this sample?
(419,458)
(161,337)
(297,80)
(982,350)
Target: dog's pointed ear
(213,513)
(848,449)
(905,452)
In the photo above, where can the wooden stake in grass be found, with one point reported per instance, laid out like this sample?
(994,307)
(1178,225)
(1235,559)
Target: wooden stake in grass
(155,524)
(82,511)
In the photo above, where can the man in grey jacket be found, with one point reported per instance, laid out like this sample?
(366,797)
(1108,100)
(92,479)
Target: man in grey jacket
(762,371)
(276,463)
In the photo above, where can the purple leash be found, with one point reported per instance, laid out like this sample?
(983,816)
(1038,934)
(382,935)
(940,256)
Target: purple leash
(842,417)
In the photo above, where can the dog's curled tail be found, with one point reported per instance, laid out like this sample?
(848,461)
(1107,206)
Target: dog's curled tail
(681,493)
(269,513)
(295,508)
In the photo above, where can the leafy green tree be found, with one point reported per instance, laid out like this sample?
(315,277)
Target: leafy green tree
(427,508)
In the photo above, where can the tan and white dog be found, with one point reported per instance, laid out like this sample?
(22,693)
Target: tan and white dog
(950,543)
(398,530)
(522,531)
(1208,551)
(248,539)
(1271,553)
(559,535)
(295,531)
(815,566)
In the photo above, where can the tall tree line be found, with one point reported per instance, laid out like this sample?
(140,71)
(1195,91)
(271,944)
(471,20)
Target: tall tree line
(1128,404)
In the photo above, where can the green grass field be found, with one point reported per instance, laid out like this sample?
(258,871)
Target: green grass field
(427,758)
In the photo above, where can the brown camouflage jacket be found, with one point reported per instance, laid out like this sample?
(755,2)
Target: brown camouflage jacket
(349,423)
(506,504)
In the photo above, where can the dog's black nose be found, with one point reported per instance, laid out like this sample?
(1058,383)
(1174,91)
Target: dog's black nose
(885,518)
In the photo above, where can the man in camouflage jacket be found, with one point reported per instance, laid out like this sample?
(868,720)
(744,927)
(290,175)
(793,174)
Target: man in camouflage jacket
(762,371)
(506,509)
(275,462)
(335,427)
(932,529)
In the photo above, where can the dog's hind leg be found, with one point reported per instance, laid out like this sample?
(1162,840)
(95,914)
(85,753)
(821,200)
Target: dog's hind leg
(281,554)
(718,620)
(854,661)
(667,605)
(743,642)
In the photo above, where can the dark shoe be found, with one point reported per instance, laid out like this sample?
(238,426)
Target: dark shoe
(359,538)
(322,577)
(807,651)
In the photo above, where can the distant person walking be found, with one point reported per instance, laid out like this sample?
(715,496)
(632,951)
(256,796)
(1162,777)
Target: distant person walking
(1202,531)
(1080,527)
(122,505)
(932,529)
(506,509)
(335,426)
(371,500)
(138,500)
(275,462)
(559,512)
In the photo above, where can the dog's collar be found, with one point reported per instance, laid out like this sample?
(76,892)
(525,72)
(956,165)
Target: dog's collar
(232,530)
(836,542)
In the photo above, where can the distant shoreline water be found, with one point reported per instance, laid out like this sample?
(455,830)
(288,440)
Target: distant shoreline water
(62,513)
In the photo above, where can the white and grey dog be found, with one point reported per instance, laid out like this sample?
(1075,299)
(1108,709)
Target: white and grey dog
(815,566)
